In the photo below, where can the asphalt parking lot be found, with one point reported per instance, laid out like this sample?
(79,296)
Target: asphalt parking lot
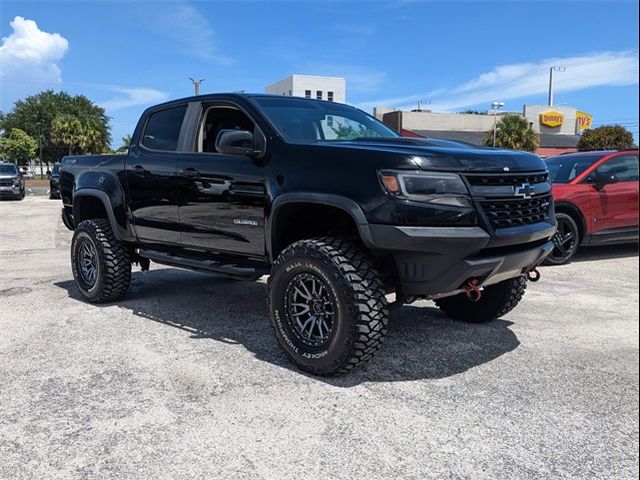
(183,379)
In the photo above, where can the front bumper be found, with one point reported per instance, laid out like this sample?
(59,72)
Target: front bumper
(433,261)
(10,191)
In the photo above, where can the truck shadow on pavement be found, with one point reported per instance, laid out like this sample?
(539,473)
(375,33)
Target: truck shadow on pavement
(421,342)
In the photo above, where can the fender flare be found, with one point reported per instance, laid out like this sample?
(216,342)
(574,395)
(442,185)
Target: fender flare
(106,202)
(343,203)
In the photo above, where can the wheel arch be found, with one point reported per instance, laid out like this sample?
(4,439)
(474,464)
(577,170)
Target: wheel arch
(574,212)
(92,203)
(344,208)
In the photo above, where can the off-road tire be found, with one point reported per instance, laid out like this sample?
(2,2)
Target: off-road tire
(360,319)
(113,265)
(497,300)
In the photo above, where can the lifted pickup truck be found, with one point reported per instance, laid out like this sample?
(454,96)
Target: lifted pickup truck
(336,207)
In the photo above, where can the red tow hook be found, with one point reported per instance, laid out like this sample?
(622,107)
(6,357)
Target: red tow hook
(472,291)
(533,275)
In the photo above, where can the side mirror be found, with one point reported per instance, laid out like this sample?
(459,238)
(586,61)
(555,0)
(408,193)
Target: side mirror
(236,142)
(601,180)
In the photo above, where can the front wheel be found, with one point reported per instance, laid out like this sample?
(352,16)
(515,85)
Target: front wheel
(327,305)
(101,264)
(565,241)
(497,300)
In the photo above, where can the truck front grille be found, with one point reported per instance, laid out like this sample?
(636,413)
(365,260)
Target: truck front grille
(6,182)
(496,180)
(505,213)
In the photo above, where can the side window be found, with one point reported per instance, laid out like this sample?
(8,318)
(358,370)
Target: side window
(218,119)
(163,129)
(624,167)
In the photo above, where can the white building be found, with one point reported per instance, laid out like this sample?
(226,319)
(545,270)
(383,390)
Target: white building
(332,89)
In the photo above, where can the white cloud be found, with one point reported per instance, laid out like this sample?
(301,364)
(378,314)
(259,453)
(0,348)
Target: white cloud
(355,29)
(359,79)
(508,82)
(189,29)
(133,97)
(28,53)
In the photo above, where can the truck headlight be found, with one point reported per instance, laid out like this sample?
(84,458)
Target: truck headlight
(16,183)
(431,187)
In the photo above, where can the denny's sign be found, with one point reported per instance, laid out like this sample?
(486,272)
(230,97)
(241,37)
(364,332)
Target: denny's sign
(551,119)
(584,120)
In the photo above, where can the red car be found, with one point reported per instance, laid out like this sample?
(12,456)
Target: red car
(596,199)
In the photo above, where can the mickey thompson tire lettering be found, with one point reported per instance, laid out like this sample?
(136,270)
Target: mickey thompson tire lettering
(360,318)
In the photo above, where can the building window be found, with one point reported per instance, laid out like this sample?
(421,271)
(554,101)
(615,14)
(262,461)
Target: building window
(319,95)
(307,94)
(329,120)
(330,96)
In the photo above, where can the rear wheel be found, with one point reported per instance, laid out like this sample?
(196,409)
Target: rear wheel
(327,305)
(101,264)
(565,241)
(497,300)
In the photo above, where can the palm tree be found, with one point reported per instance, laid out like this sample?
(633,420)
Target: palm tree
(513,132)
(79,134)
(126,143)
(66,130)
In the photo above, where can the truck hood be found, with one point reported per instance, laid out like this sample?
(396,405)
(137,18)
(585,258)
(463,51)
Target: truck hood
(433,154)
(9,176)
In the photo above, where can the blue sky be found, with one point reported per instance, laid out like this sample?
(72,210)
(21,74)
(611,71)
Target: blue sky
(453,55)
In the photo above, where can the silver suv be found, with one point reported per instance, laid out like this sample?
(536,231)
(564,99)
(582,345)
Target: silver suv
(11,182)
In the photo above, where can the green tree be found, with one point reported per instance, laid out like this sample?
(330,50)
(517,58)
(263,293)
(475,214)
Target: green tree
(79,135)
(606,137)
(349,132)
(126,143)
(35,116)
(513,132)
(18,147)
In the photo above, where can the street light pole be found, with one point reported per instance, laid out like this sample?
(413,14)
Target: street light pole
(495,106)
(551,70)
(196,85)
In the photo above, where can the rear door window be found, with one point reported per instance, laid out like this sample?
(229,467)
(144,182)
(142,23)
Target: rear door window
(163,129)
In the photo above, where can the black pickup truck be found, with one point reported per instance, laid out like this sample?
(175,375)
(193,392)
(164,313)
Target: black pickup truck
(341,211)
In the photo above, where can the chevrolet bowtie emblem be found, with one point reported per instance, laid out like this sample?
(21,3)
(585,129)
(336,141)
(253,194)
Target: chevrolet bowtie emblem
(526,190)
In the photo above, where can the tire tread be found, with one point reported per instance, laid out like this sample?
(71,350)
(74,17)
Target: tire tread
(368,295)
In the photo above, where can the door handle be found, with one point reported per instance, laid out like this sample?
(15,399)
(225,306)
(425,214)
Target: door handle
(189,173)
(138,170)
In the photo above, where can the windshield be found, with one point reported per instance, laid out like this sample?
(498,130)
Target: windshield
(56,169)
(309,121)
(8,170)
(565,168)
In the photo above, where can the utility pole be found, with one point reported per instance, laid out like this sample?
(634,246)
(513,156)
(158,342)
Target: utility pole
(551,70)
(495,106)
(196,85)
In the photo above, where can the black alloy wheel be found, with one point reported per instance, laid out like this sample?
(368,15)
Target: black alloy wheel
(88,263)
(310,308)
(565,241)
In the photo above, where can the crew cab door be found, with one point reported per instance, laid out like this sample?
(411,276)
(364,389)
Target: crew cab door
(222,195)
(152,181)
(615,206)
